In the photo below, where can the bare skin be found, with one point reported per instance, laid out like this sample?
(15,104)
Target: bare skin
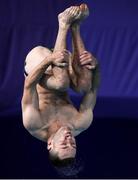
(83,61)
(48,113)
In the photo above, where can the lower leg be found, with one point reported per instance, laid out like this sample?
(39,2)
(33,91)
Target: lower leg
(84,76)
(65,19)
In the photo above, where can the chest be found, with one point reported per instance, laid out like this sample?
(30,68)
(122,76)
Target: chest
(58,114)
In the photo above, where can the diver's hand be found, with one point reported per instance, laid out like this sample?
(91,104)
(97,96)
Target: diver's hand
(61,58)
(87,60)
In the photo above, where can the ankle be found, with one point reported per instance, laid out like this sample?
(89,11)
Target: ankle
(75,27)
(63,26)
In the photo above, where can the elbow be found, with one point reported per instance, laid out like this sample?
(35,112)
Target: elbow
(62,86)
(26,125)
(59,84)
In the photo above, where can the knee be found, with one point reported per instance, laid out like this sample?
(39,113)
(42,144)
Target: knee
(62,84)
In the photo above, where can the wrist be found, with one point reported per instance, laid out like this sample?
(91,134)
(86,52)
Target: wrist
(63,27)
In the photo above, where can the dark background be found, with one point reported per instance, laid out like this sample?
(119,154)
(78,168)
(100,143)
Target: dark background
(109,148)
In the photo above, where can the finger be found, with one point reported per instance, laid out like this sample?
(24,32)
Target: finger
(67,57)
(90,67)
(85,59)
(84,52)
(66,52)
(93,60)
(88,61)
(87,56)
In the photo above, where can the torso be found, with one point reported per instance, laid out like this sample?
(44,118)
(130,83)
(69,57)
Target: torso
(56,111)
(53,111)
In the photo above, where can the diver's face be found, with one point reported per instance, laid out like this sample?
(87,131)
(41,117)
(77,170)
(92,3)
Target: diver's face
(64,144)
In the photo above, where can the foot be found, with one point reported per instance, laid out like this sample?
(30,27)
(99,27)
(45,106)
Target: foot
(84,13)
(67,17)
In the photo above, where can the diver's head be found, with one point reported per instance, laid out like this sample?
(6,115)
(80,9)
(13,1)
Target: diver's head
(62,146)
(62,153)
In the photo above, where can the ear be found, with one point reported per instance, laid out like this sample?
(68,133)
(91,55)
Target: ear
(49,144)
(48,147)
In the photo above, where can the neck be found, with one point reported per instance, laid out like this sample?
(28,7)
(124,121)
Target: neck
(52,131)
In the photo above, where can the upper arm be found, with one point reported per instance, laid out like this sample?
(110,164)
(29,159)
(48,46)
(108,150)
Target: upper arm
(30,96)
(33,123)
(31,118)
(30,107)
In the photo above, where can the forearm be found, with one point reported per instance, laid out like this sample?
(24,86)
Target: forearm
(36,74)
(89,99)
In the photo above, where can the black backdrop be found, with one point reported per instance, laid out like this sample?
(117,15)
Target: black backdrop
(109,147)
